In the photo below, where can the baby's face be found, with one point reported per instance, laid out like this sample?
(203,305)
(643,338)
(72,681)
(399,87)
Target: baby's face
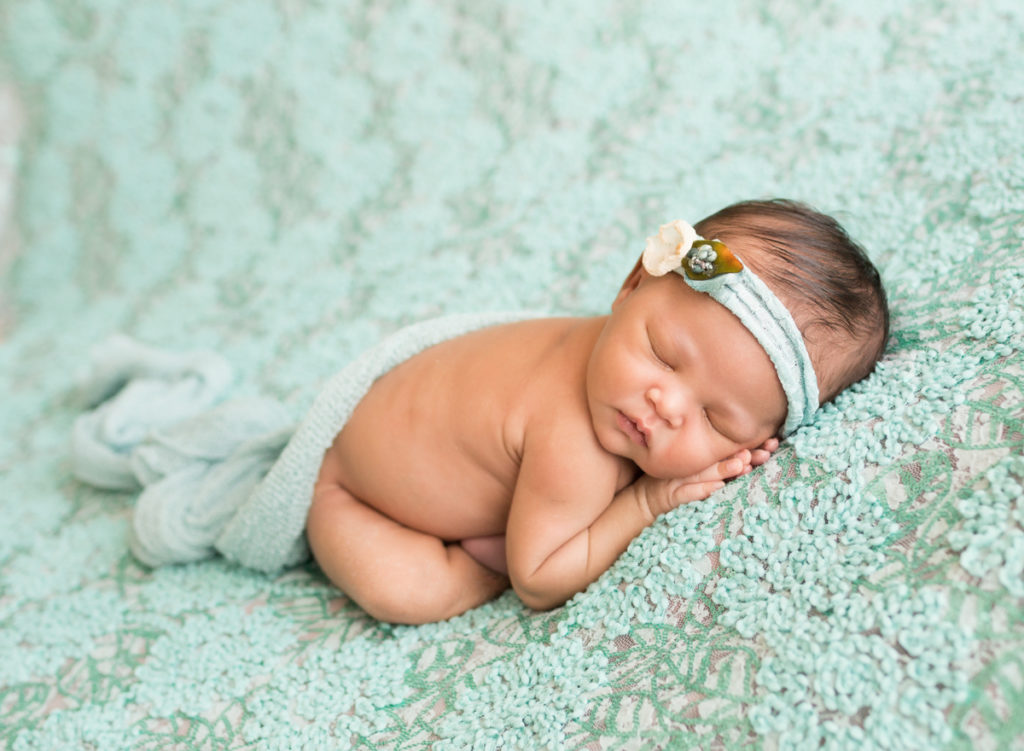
(676,383)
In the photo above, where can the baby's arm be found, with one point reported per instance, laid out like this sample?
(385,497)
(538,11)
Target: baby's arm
(559,540)
(395,573)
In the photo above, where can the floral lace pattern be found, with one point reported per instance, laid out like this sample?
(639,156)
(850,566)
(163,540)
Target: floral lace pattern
(286,181)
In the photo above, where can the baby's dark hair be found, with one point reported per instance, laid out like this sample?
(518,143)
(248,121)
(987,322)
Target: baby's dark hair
(823,277)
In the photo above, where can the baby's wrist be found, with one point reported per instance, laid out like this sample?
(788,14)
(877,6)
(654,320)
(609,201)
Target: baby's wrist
(640,497)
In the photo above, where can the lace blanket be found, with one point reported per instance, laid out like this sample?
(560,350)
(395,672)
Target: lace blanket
(287,182)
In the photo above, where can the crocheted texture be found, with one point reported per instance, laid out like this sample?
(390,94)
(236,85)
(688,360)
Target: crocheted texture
(287,182)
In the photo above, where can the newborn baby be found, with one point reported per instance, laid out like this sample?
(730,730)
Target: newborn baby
(530,454)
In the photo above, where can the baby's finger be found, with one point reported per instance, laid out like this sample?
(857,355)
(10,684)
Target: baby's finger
(734,466)
(688,492)
(764,452)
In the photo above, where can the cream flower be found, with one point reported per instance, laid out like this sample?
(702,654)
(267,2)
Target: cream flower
(665,252)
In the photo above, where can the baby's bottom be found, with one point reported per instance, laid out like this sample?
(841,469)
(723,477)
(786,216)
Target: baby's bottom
(395,573)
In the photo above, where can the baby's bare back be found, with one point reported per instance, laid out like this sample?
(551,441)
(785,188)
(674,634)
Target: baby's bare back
(436,443)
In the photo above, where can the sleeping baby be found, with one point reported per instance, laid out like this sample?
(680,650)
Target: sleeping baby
(530,454)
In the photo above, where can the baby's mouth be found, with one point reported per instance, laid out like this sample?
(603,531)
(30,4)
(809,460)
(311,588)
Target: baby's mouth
(632,429)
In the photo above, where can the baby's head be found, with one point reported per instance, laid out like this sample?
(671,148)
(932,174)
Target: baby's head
(823,278)
(729,333)
(794,282)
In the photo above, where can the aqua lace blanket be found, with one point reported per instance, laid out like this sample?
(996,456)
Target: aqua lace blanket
(288,181)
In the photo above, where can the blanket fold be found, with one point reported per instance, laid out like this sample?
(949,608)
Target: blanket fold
(233,477)
(136,389)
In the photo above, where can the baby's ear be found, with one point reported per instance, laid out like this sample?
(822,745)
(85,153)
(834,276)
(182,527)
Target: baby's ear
(631,283)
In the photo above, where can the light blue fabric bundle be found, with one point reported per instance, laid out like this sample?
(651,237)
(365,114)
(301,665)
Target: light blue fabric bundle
(128,379)
(231,478)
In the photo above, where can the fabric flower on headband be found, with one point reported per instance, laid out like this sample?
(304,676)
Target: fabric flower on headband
(677,247)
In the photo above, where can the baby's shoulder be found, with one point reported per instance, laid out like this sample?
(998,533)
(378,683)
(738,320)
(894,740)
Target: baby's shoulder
(559,446)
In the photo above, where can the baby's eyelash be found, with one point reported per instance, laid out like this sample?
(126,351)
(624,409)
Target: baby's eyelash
(715,428)
(654,350)
(707,419)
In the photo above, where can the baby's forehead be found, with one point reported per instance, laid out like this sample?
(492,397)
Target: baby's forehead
(738,373)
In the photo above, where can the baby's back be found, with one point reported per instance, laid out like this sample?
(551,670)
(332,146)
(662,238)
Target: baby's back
(436,442)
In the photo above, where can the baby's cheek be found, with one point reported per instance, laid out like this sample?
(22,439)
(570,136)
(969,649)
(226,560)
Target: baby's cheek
(689,458)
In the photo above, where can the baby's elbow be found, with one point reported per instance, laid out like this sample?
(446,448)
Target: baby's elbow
(536,592)
(539,600)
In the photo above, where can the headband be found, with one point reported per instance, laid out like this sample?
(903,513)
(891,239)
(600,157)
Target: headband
(709,266)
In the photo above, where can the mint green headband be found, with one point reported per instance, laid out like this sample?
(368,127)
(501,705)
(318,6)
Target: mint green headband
(709,266)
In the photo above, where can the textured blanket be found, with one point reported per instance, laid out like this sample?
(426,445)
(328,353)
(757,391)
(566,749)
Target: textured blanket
(287,182)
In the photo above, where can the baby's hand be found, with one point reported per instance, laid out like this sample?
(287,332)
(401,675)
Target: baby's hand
(658,496)
(763,453)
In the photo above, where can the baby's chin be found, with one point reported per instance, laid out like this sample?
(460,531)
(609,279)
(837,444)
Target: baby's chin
(661,473)
(617,445)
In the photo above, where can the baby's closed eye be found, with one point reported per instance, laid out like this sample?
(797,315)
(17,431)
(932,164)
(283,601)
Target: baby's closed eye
(710,422)
(657,352)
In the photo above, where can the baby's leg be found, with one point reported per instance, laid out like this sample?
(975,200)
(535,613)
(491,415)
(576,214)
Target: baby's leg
(395,573)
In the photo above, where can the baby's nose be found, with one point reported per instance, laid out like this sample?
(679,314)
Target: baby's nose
(668,404)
